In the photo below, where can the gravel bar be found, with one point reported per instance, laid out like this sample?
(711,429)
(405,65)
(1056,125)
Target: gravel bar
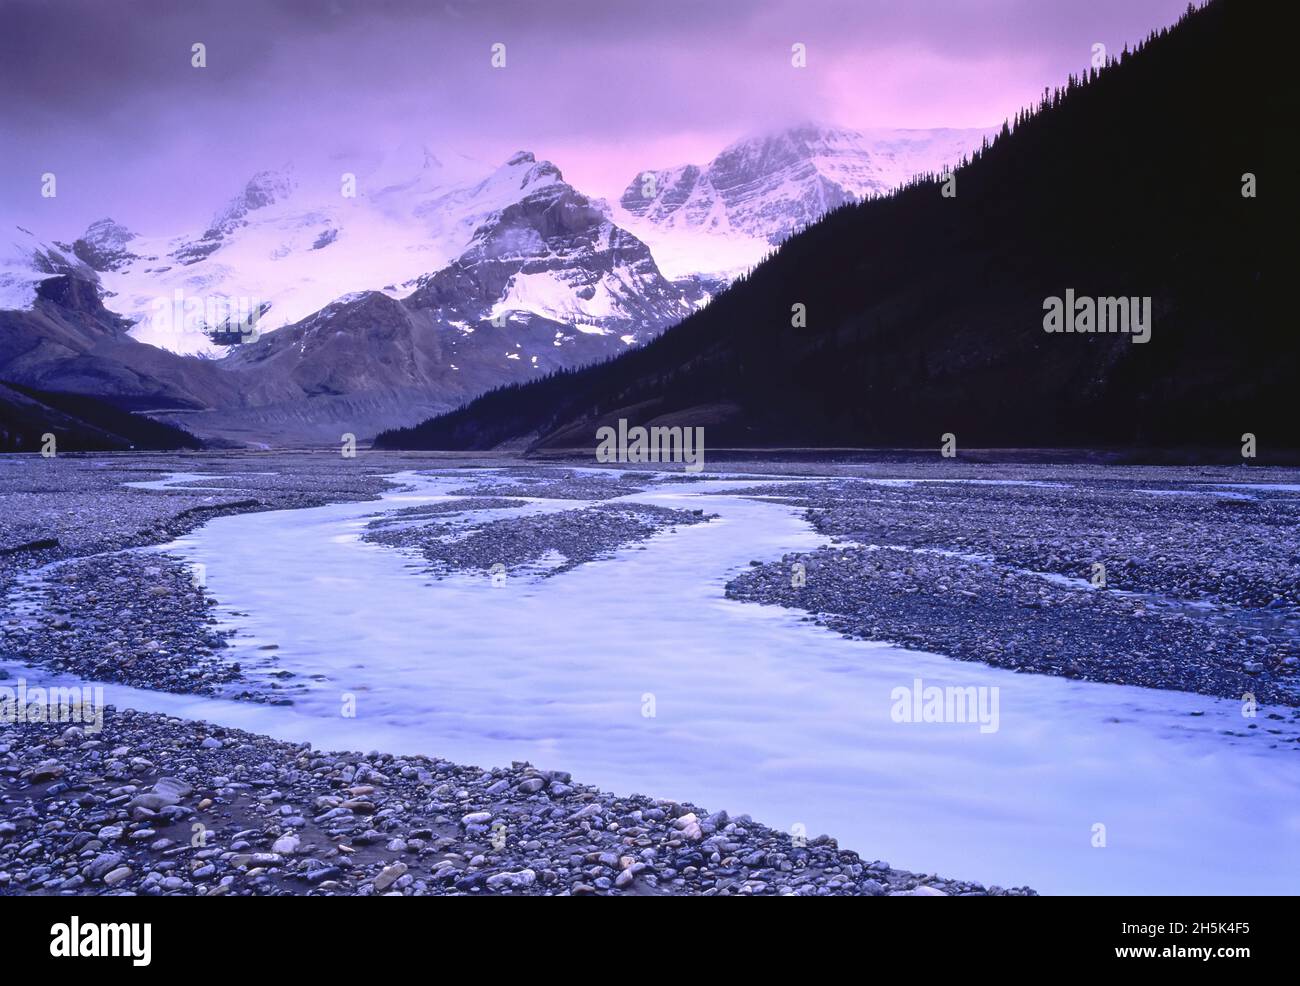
(162,806)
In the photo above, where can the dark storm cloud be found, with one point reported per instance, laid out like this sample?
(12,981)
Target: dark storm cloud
(104,93)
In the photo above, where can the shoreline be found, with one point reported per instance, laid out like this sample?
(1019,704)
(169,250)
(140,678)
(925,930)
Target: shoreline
(58,776)
(162,806)
(830,872)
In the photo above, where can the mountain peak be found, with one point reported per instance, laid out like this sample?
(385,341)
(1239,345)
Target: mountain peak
(107,230)
(264,189)
(799,131)
(767,185)
(537,173)
(268,187)
(103,245)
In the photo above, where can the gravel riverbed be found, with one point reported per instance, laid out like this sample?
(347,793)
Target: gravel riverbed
(155,805)
(566,539)
(158,805)
(1189,589)
(1201,594)
(138,619)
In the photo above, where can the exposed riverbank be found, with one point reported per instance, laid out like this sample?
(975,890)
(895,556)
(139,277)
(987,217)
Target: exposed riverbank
(155,805)
(610,650)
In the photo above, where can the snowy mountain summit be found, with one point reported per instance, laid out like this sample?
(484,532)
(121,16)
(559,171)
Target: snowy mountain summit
(760,189)
(373,293)
(477,241)
(289,245)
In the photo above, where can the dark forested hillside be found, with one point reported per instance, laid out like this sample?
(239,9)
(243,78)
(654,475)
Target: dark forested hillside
(925,312)
(79,424)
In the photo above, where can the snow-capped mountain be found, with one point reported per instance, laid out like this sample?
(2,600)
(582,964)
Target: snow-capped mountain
(475,240)
(26,260)
(546,283)
(555,254)
(431,286)
(437,280)
(288,245)
(723,216)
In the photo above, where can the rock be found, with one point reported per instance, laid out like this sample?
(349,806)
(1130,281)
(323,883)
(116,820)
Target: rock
(47,770)
(114,877)
(518,880)
(151,801)
(256,859)
(287,844)
(170,787)
(921,891)
(103,863)
(689,827)
(388,876)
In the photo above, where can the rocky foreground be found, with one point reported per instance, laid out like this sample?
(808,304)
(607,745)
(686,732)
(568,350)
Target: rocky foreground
(1200,594)
(155,805)
(161,806)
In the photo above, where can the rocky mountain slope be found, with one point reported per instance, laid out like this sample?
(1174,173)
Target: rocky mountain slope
(288,245)
(434,283)
(545,281)
(925,314)
(68,342)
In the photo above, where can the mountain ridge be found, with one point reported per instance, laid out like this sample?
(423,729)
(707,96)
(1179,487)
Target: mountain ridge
(533,277)
(924,312)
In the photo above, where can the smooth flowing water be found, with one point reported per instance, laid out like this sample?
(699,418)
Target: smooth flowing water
(754,710)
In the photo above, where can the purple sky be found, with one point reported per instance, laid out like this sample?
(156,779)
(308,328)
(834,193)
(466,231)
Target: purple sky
(103,95)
